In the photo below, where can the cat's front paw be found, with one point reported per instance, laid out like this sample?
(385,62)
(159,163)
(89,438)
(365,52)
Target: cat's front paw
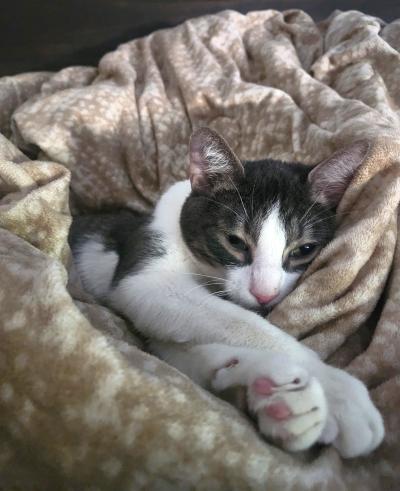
(289,405)
(355,426)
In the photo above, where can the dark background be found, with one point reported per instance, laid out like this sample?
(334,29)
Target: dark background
(51,34)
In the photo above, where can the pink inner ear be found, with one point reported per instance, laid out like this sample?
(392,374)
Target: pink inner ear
(198,165)
(197,170)
(197,178)
(211,160)
(330,179)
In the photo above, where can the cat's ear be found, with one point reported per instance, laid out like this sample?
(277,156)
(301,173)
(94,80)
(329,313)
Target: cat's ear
(330,178)
(213,165)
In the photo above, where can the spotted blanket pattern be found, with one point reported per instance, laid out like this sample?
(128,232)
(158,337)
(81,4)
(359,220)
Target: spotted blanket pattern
(82,406)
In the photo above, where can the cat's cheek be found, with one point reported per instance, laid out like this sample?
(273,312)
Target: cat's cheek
(238,287)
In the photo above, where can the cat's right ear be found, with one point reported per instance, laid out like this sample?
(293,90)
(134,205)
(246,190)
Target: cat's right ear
(330,179)
(213,165)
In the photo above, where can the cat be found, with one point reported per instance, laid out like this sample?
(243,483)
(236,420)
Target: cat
(220,249)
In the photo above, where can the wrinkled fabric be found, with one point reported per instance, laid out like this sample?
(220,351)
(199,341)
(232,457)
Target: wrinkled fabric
(82,406)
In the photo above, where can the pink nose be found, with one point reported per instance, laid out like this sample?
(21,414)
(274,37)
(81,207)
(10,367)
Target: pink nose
(263,299)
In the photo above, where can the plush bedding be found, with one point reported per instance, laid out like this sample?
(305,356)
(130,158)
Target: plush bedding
(82,406)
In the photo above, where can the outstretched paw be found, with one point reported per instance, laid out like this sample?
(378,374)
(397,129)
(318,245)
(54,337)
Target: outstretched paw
(293,415)
(289,405)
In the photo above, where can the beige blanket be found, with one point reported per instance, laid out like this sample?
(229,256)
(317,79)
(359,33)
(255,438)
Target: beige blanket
(81,406)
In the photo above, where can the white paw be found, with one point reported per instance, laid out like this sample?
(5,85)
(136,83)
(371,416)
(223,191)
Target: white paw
(355,426)
(289,405)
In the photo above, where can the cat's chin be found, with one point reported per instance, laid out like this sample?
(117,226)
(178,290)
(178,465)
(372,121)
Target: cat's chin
(243,302)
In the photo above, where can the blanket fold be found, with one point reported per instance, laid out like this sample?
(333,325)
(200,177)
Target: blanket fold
(82,406)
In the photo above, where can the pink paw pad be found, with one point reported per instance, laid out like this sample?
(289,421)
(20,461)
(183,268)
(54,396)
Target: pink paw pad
(278,410)
(263,386)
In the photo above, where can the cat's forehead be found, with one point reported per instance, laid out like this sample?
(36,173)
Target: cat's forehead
(267,187)
(272,180)
(272,199)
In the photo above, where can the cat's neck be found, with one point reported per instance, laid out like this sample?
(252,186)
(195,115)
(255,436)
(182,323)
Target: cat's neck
(168,211)
(166,220)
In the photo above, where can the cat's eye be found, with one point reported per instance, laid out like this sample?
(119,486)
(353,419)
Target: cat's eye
(303,251)
(237,243)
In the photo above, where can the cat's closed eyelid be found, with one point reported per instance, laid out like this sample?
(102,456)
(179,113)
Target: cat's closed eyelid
(241,250)
(237,242)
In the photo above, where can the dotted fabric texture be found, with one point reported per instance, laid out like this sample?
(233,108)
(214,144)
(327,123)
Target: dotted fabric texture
(82,407)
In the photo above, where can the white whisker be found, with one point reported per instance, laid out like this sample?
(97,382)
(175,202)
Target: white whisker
(225,206)
(240,197)
(204,276)
(338,216)
(202,285)
(218,294)
(313,223)
(310,207)
(252,199)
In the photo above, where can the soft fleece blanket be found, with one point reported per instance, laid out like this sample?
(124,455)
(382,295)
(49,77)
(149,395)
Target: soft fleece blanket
(82,407)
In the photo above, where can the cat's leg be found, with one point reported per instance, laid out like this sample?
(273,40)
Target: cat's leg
(171,307)
(288,404)
(295,403)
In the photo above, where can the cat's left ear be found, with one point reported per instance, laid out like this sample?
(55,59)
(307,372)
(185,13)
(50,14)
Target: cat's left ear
(330,179)
(213,165)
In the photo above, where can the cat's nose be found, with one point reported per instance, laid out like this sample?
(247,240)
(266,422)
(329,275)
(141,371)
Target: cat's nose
(261,298)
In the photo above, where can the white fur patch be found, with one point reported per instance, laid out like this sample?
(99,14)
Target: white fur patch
(168,211)
(265,276)
(96,266)
(267,267)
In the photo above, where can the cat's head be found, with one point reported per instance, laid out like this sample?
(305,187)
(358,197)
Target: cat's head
(258,225)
